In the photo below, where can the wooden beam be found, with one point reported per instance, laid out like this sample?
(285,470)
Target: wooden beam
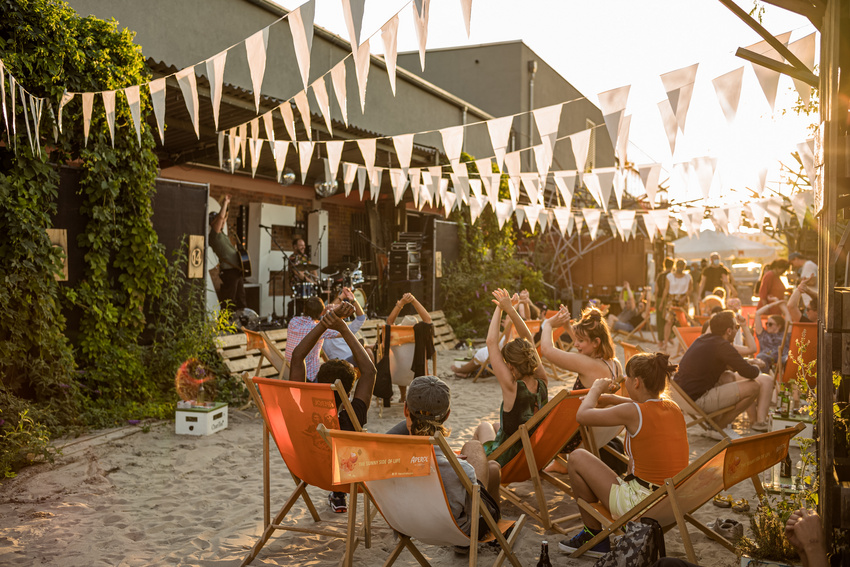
(812,10)
(807,77)
(766,35)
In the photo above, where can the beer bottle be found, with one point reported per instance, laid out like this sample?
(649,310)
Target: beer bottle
(544,555)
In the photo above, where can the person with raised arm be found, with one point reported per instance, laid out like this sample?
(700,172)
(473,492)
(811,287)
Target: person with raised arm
(337,347)
(408,298)
(521,378)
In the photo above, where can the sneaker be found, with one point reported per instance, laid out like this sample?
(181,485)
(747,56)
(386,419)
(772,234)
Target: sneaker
(729,529)
(713,434)
(337,502)
(581,538)
(759,426)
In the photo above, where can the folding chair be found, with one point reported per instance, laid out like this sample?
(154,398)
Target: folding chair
(722,467)
(542,437)
(800,332)
(703,419)
(268,350)
(629,350)
(291,411)
(534,327)
(686,336)
(401,474)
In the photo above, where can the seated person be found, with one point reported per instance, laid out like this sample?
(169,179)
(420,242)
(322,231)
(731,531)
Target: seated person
(521,378)
(744,341)
(714,375)
(391,319)
(426,409)
(656,444)
(808,313)
(334,370)
(631,314)
(715,300)
(770,336)
(337,347)
(299,327)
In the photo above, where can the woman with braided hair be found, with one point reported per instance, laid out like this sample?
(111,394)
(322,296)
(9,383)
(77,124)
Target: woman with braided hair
(656,444)
(521,377)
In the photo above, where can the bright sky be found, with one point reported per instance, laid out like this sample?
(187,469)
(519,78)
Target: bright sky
(599,45)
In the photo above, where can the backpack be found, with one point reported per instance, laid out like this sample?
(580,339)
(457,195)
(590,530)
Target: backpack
(641,546)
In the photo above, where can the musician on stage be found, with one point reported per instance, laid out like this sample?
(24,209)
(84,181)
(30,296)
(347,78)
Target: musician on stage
(232,289)
(301,271)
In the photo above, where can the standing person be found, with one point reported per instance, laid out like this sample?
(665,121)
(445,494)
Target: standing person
(660,291)
(232,289)
(705,377)
(713,276)
(341,370)
(656,444)
(807,272)
(521,377)
(679,288)
(772,286)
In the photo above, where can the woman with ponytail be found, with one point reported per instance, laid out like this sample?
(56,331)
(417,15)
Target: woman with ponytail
(520,375)
(656,443)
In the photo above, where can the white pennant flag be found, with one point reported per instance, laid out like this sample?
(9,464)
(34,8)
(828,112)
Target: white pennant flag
(362,60)
(626,222)
(476,185)
(14,121)
(134,102)
(414,178)
(301,26)
(801,202)
(532,186)
(649,175)
(435,173)
(268,125)
(220,144)
(256,148)
(500,132)
(565,182)
(305,156)
(704,168)
(338,81)
(720,219)
(460,182)
(807,156)
(281,148)
(398,181)
(66,98)
(544,219)
(761,180)
(420,19)
(768,79)
(353,12)
(242,141)
(758,212)
(613,106)
(288,119)
(784,218)
(215,73)
(579,222)
(361,180)
(189,88)
(485,169)
(532,214)
(493,185)
(650,226)
(591,218)
(804,50)
(466,8)
(334,149)
(389,35)
(668,120)
(548,119)
(375,175)
(519,213)
(514,168)
(580,143)
(452,142)
(449,201)
(404,150)
(735,218)
(543,159)
(619,185)
(679,85)
(88,101)
(320,91)
(232,148)
(256,46)
(592,183)
(623,140)
(444,188)
(503,211)
(303,106)
(424,194)
(772,209)
(661,220)
(349,172)
(475,208)
(367,150)
(562,217)
(24,97)
(728,90)
(157,89)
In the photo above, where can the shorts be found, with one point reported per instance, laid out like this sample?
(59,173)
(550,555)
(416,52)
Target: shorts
(625,495)
(719,397)
(492,507)
(621,326)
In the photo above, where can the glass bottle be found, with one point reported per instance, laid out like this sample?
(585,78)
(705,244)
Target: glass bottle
(544,555)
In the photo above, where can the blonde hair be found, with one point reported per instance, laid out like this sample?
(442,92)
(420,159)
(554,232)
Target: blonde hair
(593,326)
(520,354)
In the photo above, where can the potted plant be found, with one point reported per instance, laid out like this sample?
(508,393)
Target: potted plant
(768,545)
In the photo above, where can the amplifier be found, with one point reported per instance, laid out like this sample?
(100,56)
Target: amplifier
(404,272)
(408,257)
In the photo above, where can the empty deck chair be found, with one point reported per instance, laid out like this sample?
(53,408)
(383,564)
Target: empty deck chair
(722,467)
(401,475)
(291,411)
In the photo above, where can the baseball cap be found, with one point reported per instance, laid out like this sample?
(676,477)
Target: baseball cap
(794,255)
(429,396)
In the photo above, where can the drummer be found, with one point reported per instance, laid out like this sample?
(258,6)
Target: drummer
(298,258)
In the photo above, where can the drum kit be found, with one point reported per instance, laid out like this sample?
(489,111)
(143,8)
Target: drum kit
(334,278)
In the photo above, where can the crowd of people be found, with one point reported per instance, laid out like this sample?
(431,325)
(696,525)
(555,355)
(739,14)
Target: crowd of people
(721,369)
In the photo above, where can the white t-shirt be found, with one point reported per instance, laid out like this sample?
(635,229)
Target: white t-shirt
(808,270)
(678,286)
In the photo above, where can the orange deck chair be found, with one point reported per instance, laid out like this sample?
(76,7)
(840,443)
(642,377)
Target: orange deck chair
(686,336)
(800,333)
(401,475)
(722,467)
(291,411)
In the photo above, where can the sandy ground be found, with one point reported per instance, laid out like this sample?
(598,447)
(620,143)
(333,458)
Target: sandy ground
(157,498)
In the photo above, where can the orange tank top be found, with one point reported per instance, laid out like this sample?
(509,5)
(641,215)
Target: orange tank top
(659,450)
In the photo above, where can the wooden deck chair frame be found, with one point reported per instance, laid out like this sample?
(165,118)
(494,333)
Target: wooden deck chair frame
(268,350)
(271,525)
(535,465)
(681,513)
(701,418)
(497,529)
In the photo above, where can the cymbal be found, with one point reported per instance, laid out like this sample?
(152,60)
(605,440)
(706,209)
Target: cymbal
(330,270)
(305,267)
(343,266)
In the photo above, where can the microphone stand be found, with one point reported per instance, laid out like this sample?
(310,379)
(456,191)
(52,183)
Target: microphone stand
(274,281)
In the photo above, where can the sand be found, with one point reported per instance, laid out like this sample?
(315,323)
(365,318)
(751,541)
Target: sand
(135,498)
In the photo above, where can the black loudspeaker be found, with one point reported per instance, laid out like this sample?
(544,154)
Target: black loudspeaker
(399,288)
(252,296)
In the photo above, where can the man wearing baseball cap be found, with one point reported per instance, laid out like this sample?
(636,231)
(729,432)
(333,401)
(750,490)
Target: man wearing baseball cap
(426,409)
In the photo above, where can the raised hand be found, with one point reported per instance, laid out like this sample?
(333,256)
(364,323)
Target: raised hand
(502,299)
(560,319)
(407,298)
(331,320)
(523,295)
(344,310)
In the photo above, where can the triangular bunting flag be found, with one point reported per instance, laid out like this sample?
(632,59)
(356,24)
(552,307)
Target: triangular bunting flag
(761,180)
(503,211)
(220,144)
(157,88)
(475,208)
(301,26)
(242,141)
(804,50)
(807,156)
(353,12)
(134,102)
(66,98)
(623,140)
(519,213)
(88,100)
(281,148)
(500,132)
(334,153)
(591,218)
(414,178)
(256,46)
(512,164)
(466,8)
(232,148)
(452,142)
(679,85)
(735,218)
(361,180)
(375,183)
(532,186)
(449,200)
(565,182)
(728,90)
(668,120)
(189,88)
(579,222)
(303,106)
(661,220)
(398,180)
(768,79)
(389,35)
(320,91)
(362,60)
(547,120)
(305,156)
(268,126)
(801,202)
(404,150)
(349,172)
(758,212)
(613,106)
(543,159)
(460,182)
(720,219)
(215,74)
(562,217)
(420,19)
(288,119)
(704,168)
(649,175)
(476,186)
(580,142)
(367,148)
(338,81)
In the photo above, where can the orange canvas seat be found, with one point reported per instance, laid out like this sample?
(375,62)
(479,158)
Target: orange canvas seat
(629,350)
(291,412)
(402,476)
(722,467)
(687,335)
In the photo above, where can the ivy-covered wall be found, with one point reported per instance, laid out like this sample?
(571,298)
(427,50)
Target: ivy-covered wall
(50,49)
